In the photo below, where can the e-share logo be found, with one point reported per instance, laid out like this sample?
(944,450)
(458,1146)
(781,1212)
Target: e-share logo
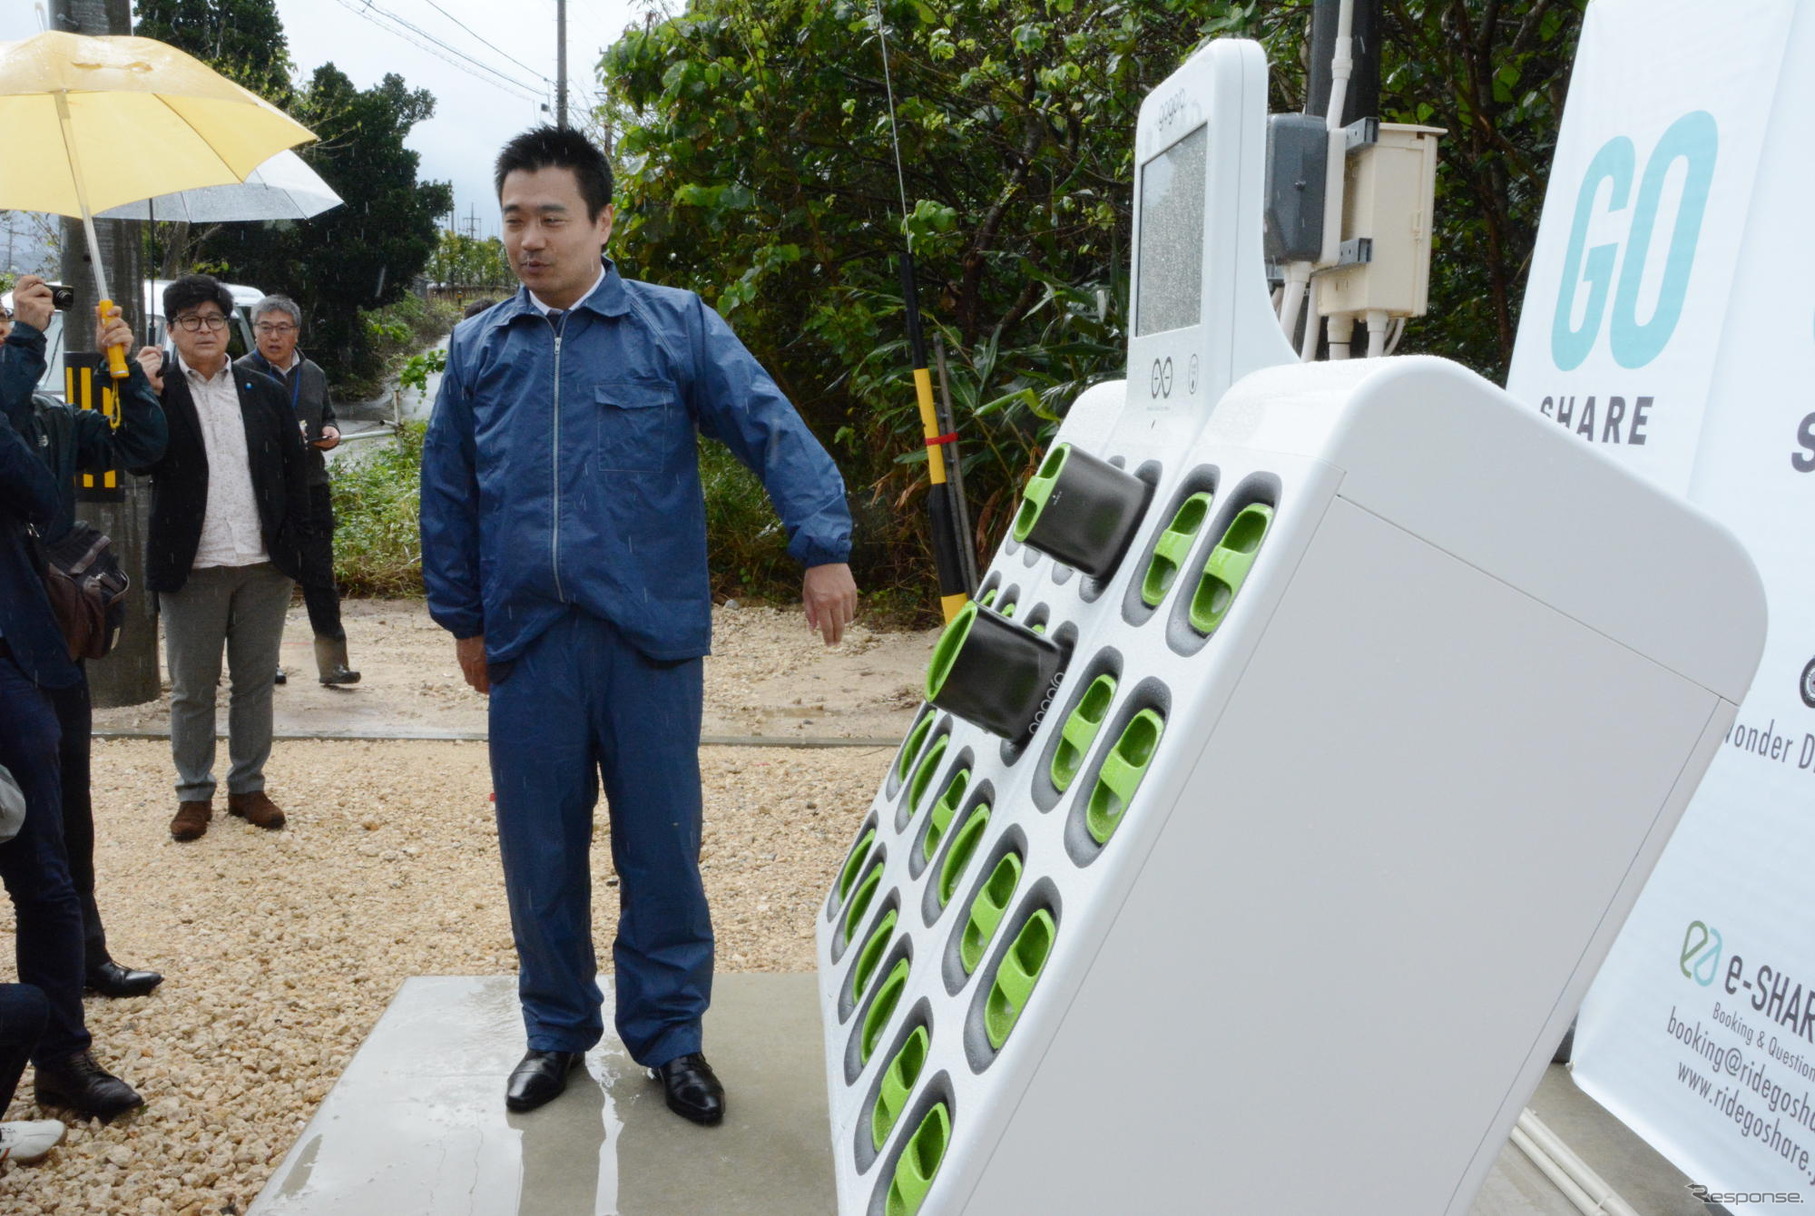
(1806,685)
(1700,957)
(1693,139)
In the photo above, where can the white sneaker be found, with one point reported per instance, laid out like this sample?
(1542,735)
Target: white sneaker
(29,1139)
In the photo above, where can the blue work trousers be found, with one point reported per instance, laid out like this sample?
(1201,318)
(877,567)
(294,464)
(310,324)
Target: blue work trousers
(48,939)
(579,705)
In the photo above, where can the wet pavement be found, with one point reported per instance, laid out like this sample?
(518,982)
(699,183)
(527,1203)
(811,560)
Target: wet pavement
(416,1125)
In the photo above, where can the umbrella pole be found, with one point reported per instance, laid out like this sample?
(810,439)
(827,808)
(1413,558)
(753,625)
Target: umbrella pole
(116,355)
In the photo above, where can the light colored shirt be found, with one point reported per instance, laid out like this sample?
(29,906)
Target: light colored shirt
(546,308)
(230,527)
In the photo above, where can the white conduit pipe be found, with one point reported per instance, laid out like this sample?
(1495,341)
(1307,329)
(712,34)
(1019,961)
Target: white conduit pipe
(1342,330)
(1292,296)
(1580,1185)
(1342,64)
(1377,323)
(1313,326)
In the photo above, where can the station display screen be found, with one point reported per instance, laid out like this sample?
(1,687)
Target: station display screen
(1169,293)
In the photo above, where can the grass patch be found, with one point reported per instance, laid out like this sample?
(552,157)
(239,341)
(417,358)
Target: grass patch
(377,545)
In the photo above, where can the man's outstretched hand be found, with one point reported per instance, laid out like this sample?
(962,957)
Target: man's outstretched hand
(471,653)
(830,596)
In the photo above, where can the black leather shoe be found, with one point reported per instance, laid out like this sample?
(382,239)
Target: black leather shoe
(111,979)
(692,1088)
(81,1085)
(540,1076)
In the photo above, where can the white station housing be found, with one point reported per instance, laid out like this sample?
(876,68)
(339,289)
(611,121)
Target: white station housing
(1292,890)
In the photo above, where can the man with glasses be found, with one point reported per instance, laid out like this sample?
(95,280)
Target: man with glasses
(229,520)
(277,322)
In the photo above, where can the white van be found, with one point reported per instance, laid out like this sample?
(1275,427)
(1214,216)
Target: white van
(239,333)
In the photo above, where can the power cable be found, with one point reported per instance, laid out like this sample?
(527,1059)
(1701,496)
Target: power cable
(499,49)
(445,53)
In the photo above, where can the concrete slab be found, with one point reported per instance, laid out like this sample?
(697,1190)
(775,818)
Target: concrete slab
(416,1126)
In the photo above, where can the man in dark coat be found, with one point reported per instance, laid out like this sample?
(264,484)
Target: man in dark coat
(47,916)
(277,322)
(229,518)
(72,441)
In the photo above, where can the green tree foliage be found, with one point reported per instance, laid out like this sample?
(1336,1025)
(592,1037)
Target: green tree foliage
(753,140)
(469,263)
(361,255)
(757,170)
(1495,76)
(365,253)
(241,39)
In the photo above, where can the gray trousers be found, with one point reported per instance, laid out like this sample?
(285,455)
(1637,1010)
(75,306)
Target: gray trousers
(241,608)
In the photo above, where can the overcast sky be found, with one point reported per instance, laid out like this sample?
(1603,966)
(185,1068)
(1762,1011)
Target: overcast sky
(474,114)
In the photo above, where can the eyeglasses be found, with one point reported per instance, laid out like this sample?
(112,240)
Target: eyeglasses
(265,327)
(195,324)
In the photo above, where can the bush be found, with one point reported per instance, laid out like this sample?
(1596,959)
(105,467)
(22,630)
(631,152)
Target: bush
(747,545)
(377,547)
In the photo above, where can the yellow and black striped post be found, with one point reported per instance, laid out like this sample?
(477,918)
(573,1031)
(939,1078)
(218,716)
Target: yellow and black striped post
(87,385)
(948,546)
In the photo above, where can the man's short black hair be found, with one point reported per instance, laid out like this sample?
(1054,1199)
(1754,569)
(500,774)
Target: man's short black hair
(548,147)
(193,291)
(477,307)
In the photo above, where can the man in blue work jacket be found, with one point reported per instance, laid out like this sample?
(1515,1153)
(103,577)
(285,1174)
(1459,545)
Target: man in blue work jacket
(564,546)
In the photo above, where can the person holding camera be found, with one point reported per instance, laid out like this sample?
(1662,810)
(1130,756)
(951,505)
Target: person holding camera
(34,867)
(276,323)
(229,519)
(73,441)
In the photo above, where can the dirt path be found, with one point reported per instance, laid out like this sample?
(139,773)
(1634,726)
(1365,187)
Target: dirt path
(768,676)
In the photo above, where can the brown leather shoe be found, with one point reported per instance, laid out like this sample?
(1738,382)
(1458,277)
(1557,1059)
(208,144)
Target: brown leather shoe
(256,809)
(191,820)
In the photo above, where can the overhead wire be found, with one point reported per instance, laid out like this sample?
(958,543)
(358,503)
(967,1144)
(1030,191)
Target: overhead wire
(481,38)
(434,46)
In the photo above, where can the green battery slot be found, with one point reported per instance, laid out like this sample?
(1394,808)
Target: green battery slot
(915,741)
(919,1161)
(897,1084)
(943,810)
(1228,565)
(1016,976)
(964,847)
(1039,489)
(860,902)
(881,1010)
(854,864)
(1123,769)
(987,910)
(1080,730)
(1173,547)
(870,955)
(923,773)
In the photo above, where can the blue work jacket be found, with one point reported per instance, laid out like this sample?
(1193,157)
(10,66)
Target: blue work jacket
(561,468)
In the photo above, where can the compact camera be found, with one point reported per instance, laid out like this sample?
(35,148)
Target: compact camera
(62,297)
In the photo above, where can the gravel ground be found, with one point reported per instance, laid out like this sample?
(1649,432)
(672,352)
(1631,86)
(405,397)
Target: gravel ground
(282,949)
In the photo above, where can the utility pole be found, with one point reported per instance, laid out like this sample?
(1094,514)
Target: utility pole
(561,64)
(128,675)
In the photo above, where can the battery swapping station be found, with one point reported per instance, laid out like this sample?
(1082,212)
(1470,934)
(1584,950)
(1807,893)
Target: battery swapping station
(1279,794)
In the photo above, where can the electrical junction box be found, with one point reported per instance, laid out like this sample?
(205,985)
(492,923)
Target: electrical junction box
(1222,865)
(1388,190)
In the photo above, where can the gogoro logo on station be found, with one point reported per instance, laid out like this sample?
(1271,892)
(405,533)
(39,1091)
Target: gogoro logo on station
(1694,141)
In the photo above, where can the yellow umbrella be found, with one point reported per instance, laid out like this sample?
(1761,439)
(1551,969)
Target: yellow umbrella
(91,123)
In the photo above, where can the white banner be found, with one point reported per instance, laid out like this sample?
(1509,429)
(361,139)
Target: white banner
(1700,1030)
